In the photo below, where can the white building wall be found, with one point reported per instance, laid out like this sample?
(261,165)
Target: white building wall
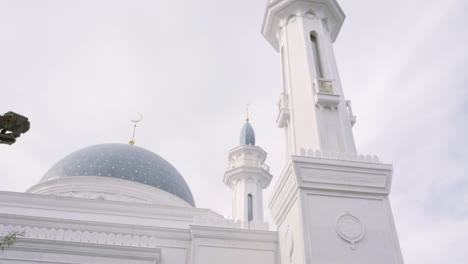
(71,230)
(40,251)
(233,246)
(336,212)
(379,243)
(291,233)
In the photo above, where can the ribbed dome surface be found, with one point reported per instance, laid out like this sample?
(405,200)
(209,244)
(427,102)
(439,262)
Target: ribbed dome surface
(124,162)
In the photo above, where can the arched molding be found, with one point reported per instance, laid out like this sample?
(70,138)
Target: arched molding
(310,15)
(291,19)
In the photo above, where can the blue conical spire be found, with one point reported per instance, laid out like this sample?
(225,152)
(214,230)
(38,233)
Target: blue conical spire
(247,136)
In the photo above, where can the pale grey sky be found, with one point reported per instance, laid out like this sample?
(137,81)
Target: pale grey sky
(81,69)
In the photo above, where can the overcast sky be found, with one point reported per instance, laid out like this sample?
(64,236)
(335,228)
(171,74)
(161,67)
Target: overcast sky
(81,69)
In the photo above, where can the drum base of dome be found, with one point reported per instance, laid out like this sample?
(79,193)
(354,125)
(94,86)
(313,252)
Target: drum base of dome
(102,188)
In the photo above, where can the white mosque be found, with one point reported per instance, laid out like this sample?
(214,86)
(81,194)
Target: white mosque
(120,203)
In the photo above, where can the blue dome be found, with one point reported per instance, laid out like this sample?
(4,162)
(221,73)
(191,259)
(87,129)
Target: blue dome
(124,162)
(247,136)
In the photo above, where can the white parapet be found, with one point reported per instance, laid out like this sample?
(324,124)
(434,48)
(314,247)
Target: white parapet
(230,223)
(339,156)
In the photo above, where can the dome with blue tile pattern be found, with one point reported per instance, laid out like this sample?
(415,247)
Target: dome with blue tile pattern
(124,162)
(247,136)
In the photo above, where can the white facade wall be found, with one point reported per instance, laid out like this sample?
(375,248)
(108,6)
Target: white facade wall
(212,245)
(335,211)
(78,230)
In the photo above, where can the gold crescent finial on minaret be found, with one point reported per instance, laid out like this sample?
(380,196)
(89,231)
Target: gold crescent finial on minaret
(247,112)
(132,140)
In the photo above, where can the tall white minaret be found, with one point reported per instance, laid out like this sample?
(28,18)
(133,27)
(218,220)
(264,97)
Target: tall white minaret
(247,175)
(330,205)
(312,107)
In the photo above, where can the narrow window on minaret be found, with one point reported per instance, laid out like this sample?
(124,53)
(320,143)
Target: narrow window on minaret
(315,51)
(249,207)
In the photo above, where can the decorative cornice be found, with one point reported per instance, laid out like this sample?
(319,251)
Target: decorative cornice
(99,206)
(342,175)
(182,235)
(229,223)
(102,196)
(260,175)
(234,234)
(329,175)
(83,236)
(250,150)
(106,188)
(279,11)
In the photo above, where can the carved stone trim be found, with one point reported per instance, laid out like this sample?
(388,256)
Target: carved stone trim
(229,223)
(103,196)
(83,236)
(338,155)
(350,229)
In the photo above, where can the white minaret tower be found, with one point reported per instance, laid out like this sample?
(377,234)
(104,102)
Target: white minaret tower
(312,107)
(247,175)
(330,205)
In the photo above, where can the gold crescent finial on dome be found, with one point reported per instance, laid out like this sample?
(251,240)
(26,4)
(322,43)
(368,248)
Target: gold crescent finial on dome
(132,140)
(247,112)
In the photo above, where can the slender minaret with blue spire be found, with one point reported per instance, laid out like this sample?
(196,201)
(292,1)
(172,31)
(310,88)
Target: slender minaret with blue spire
(247,175)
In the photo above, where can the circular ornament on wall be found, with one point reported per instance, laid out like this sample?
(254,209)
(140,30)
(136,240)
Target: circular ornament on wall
(350,229)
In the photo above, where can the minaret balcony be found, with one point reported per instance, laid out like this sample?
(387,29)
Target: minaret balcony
(248,164)
(283,111)
(244,163)
(260,175)
(325,94)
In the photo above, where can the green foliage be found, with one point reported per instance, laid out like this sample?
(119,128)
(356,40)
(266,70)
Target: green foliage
(10,239)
